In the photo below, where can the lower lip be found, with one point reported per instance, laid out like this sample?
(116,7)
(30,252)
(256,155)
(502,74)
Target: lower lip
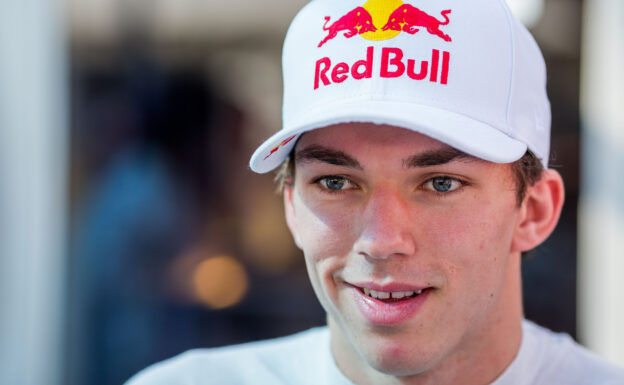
(388,313)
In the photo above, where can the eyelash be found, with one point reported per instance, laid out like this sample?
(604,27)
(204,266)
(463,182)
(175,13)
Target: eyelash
(319,184)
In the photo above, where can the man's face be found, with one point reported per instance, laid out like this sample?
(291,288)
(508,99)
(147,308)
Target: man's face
(384,212)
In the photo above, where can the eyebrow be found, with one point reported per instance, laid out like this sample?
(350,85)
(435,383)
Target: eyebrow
(327,155)
(436,158)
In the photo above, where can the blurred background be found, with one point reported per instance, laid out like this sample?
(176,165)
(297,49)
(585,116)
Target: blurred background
(131,228)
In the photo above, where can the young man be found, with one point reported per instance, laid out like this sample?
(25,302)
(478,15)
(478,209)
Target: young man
(414,161)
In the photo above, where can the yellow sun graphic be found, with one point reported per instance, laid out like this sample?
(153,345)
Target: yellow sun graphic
(380,11)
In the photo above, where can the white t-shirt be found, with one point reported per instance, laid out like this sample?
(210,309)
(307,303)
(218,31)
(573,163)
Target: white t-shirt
(545,358)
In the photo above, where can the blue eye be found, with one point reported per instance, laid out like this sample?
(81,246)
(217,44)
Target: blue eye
(335,183)
(443,184)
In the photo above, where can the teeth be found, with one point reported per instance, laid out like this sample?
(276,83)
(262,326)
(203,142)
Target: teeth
(379,294)
(387,295)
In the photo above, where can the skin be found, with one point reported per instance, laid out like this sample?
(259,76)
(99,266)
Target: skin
(386,205)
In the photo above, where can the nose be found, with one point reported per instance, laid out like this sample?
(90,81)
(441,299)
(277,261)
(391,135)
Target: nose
(386,228)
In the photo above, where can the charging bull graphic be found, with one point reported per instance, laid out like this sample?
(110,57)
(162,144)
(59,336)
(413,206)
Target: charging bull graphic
(358,21)
(408,18)
(385,19)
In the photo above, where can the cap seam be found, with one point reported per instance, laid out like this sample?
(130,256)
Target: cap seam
(512,38)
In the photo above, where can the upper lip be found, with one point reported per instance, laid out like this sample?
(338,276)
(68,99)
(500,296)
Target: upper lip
(391,287)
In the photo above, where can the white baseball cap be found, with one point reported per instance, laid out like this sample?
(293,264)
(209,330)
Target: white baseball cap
(464,72)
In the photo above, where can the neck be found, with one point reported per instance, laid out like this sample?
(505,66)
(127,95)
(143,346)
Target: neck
(482,356)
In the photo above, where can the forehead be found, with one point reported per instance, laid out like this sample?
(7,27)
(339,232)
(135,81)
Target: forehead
(358,144)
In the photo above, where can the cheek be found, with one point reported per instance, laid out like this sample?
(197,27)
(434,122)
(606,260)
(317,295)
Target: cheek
(473,243)
(472,233)
(325,233)
(326,239)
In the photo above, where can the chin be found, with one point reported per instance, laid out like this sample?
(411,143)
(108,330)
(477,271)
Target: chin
(398,360)
(397,368)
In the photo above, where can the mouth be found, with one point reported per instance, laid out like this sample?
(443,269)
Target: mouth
(392,296)
(393,305)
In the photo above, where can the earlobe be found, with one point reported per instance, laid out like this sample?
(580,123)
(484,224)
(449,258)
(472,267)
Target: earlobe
(539,212)
(289,210)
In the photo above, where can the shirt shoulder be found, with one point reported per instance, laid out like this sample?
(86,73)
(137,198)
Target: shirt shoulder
(278,361)
(558,359)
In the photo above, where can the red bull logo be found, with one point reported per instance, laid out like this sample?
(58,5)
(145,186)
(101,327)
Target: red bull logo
(385,19)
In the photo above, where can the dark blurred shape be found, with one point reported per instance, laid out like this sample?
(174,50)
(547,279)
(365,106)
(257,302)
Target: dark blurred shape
(157,161)
(550,276)
(154,146)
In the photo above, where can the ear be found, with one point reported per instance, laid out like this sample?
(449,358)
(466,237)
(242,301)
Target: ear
(539,212)
(291,218)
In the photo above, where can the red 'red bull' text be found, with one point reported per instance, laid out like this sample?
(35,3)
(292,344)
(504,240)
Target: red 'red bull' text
(392,65)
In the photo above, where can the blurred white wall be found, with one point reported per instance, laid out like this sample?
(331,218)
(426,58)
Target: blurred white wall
(601,211)
(33,156)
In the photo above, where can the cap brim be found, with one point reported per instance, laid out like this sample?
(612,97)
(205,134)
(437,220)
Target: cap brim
(466,134)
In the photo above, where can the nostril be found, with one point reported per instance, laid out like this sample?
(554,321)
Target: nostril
(384,250)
